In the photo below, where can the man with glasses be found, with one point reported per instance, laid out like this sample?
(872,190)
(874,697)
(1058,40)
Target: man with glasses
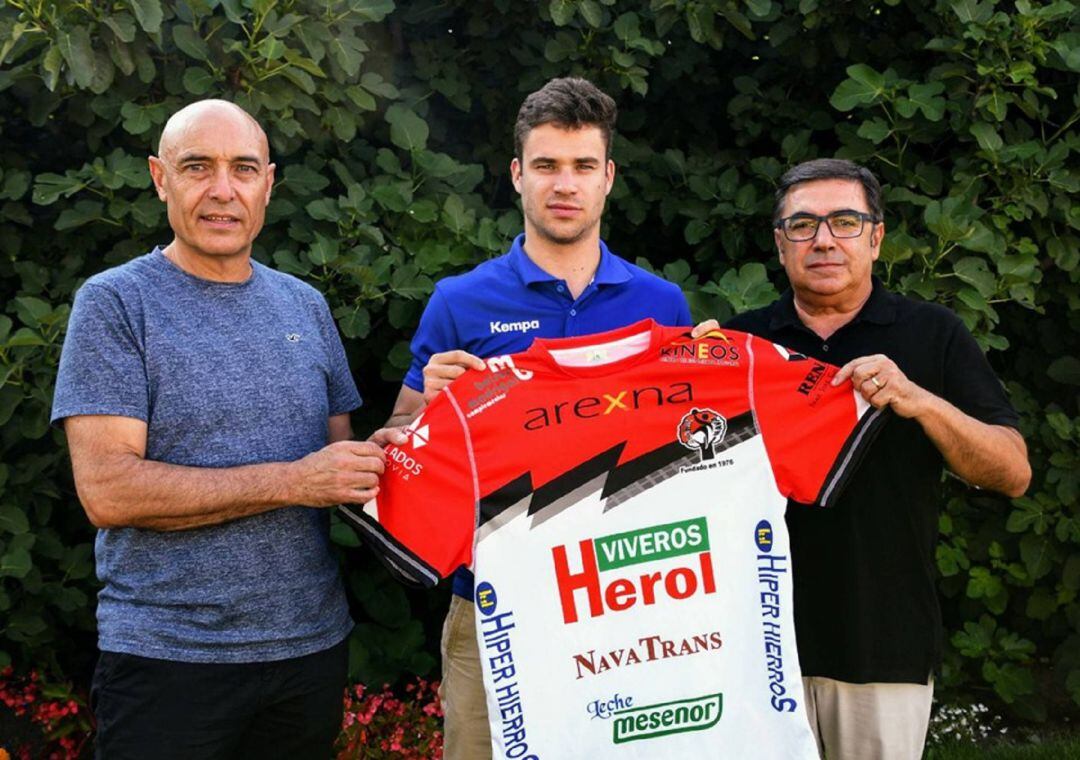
(866,614)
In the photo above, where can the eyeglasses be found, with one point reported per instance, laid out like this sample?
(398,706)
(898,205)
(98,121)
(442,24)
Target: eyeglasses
(799,228)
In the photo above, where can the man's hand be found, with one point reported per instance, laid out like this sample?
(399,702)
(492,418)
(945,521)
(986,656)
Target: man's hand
(346,472)
(704,327)
(383,437)
(883,384)
(446,367)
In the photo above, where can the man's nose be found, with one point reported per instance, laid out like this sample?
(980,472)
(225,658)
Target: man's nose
(823,237)
(221,187)
(566,182)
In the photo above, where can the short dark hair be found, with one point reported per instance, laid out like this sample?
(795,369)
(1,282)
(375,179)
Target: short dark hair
(831,168)
(570,103)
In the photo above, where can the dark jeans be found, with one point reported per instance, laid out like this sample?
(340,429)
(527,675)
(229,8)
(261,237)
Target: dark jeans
(147,708)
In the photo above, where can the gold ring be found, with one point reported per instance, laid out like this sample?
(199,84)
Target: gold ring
(878,385)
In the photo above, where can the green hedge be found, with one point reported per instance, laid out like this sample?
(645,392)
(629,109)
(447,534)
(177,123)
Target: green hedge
(390,125)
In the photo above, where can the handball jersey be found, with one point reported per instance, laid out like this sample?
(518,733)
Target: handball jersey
(620,498)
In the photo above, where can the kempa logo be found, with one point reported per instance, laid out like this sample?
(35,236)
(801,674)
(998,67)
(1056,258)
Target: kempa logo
(509,327)
(620,550)
(680,716)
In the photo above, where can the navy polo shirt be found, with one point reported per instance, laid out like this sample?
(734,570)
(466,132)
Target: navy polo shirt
(503,304)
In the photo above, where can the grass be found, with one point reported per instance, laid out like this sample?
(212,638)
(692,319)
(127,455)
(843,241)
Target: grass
(1064,748)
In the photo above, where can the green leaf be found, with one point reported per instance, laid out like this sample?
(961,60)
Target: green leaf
(13,520)
(15,564)
(407,130)
(136,118)
(122,25)
(592,13)
(562,11)
(407,281)
(971,11)
(360,97)
(372,10)
(697,230)
(83,212)
(986,136)
(198,80)
(191,43)
(51,64)
(375,84)
(303,181)
(974,272)
(455,216)
(347,52)
(78,52)
(148,13)
(927,98)
(875,130)
(1010,681)
(1036,555)
(323,251)
(342,122)
(759,8)
(627,27)
(271,48)
(1065,370)
(26,337)
(864,86)
(355,322)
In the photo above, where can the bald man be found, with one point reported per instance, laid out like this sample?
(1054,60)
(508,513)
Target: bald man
(206,403)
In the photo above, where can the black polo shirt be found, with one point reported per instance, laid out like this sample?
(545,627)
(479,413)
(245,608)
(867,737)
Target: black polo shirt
(866,607)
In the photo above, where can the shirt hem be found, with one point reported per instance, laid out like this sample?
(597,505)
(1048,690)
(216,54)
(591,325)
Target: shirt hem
(227,653)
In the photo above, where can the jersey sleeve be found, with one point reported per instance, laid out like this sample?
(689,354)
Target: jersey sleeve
(423,520)
(815,434)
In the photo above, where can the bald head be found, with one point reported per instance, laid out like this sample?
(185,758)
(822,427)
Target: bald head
(214,114)
(214,174)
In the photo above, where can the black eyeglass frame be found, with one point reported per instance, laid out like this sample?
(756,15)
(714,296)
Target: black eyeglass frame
(864,217)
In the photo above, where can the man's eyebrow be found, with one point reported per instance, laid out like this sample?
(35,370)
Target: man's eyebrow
(200,158)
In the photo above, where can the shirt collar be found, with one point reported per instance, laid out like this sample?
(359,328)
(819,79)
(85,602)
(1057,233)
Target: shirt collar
(880,308)
(610,271)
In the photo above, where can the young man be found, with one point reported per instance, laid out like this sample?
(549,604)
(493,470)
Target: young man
(222,620)
(558,280)
(866,613)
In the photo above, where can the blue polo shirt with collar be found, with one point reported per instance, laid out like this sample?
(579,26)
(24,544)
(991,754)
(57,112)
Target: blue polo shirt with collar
(503,304)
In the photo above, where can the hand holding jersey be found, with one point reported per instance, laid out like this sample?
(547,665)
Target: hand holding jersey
(656,612)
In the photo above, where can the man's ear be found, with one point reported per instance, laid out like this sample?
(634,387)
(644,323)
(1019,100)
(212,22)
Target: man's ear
(157,173)
(778,238)
(515,173)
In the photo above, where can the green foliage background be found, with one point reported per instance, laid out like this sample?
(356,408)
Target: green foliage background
(390,124)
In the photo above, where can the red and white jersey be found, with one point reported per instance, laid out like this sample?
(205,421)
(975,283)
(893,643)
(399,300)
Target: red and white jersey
(620,499)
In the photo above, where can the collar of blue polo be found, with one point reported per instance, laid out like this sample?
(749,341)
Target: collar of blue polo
(611,270)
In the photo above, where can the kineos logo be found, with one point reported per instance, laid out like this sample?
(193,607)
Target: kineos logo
(701,430)
(620,590)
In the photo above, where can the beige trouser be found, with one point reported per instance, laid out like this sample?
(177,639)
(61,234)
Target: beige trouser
(868,721)
(465,731)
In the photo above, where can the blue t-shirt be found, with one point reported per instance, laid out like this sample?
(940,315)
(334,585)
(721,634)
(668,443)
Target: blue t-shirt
(224,374)
(503,304)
